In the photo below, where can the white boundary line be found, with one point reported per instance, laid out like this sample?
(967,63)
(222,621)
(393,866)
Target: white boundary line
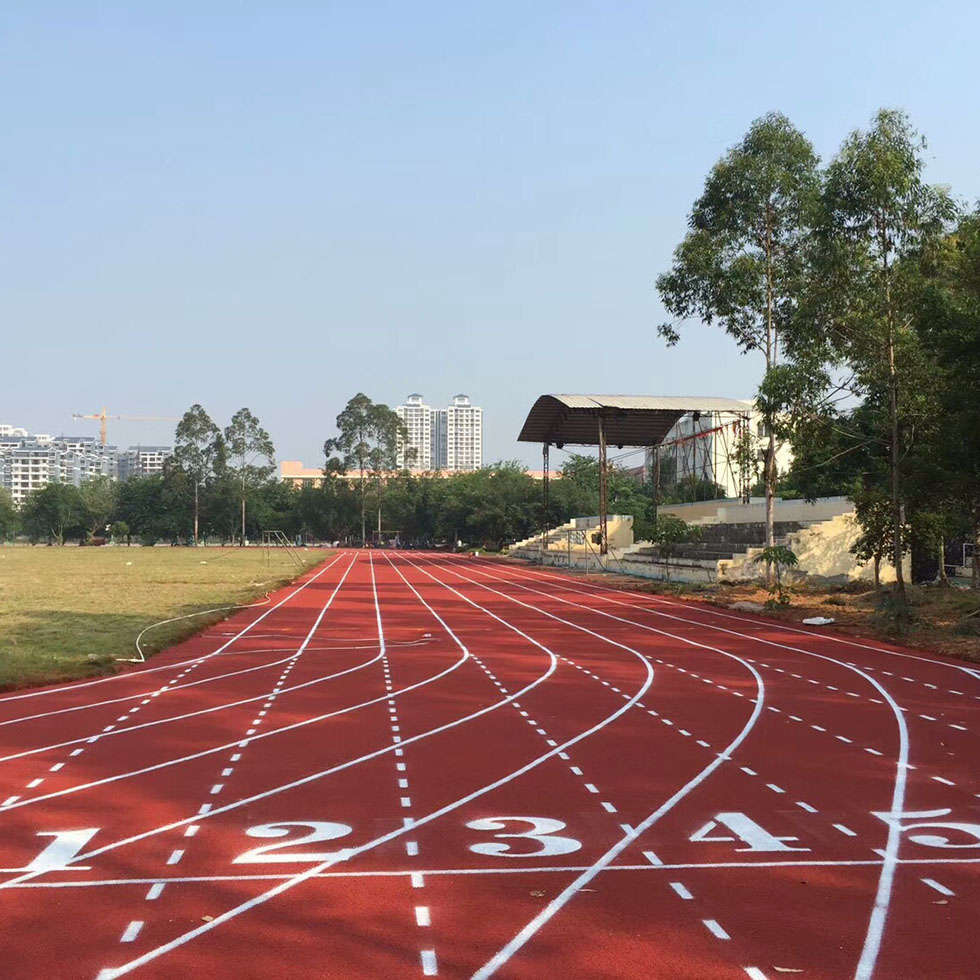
(531,869)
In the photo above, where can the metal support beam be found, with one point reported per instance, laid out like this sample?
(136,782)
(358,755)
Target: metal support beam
(544,498)
(603,478)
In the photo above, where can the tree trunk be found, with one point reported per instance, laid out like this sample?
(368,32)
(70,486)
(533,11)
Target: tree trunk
(894,460)
(877,572)
(363,512)
(195,510)
(975,572)
(943,577)
(771,356)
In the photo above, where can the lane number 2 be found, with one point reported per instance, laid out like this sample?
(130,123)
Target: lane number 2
(317,832)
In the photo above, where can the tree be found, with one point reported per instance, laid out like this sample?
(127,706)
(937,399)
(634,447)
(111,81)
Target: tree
(873,513)
(251,454)
(368,441)
(742,264)
(195,449)
(778,557)
(8,515)
(949,326)
(667,533)
(56,511)
(98,497)
(879,219)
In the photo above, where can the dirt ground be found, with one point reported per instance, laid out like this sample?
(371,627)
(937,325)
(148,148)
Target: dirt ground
(944,620)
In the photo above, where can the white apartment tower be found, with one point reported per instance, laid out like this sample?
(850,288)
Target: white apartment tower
(448,438)
(464,435)
(417,417)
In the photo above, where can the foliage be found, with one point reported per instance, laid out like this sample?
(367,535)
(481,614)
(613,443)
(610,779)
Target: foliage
(198,448)
(250,455)
(8,516)
(779,558)
(667,533)
(742,266)
(55,513)
(368,438)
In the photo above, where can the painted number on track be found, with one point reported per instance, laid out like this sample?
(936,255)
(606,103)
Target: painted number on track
(62,850)
(913,822)
(746,830)
(542,831)
(318,831)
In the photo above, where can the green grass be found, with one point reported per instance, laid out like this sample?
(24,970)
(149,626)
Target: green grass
(67,613)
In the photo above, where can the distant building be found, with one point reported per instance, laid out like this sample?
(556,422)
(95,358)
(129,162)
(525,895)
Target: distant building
(30,462)
(704,446)
(416,453)
(464,435)
(448,438)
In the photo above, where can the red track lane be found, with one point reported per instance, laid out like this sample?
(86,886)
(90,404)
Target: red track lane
(416,764)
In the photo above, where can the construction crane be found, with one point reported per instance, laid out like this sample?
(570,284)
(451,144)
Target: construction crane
(102,416)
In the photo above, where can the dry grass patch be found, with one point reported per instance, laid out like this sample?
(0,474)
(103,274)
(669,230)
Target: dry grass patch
(67,613)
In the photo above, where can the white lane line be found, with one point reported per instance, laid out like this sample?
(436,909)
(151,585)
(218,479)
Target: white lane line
(878,916)
(422,917)
(652,858)
(430,966)
(754,973)
(132,931)
(175,857)
(942,889)
(945,782)
(806,806)
(715,929)
(681,890)
(391,835)
(155,891)
(77,685)
(845,830)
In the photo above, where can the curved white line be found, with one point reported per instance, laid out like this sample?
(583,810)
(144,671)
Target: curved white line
(76,685)
(194,714)
(745,619)
(879,913)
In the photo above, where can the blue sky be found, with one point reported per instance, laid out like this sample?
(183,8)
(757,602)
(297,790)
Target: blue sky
(279,205)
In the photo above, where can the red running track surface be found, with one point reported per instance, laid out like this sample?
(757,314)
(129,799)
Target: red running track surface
(412,764)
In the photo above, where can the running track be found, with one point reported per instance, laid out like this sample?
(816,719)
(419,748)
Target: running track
(411,764)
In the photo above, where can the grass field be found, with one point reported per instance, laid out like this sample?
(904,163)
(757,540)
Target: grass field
(70,612)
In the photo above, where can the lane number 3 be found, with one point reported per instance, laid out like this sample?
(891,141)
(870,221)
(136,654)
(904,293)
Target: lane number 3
(542,831)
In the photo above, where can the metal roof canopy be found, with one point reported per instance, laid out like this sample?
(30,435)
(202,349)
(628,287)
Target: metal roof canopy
(627,420)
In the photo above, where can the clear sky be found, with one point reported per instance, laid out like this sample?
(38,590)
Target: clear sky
(277,205)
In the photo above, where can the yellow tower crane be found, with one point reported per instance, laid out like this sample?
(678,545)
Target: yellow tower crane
(102,416)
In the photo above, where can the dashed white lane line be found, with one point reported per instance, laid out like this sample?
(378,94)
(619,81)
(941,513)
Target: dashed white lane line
(422,917)
(608,807)
(945,782)
(34,782)
(652,858)
(175,857)
(775,788)
(806,806)
(132,931)
(715,929)
(754,973)
(411,848)
(846,831)
(681,890)
(155,891)
(430,966)
(942,889)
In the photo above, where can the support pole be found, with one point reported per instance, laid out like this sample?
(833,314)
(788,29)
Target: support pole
(544,498)
(656,481)
(603,476)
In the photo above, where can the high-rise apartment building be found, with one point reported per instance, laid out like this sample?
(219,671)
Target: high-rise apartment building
(416,453)
(464,435)
(448,438)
